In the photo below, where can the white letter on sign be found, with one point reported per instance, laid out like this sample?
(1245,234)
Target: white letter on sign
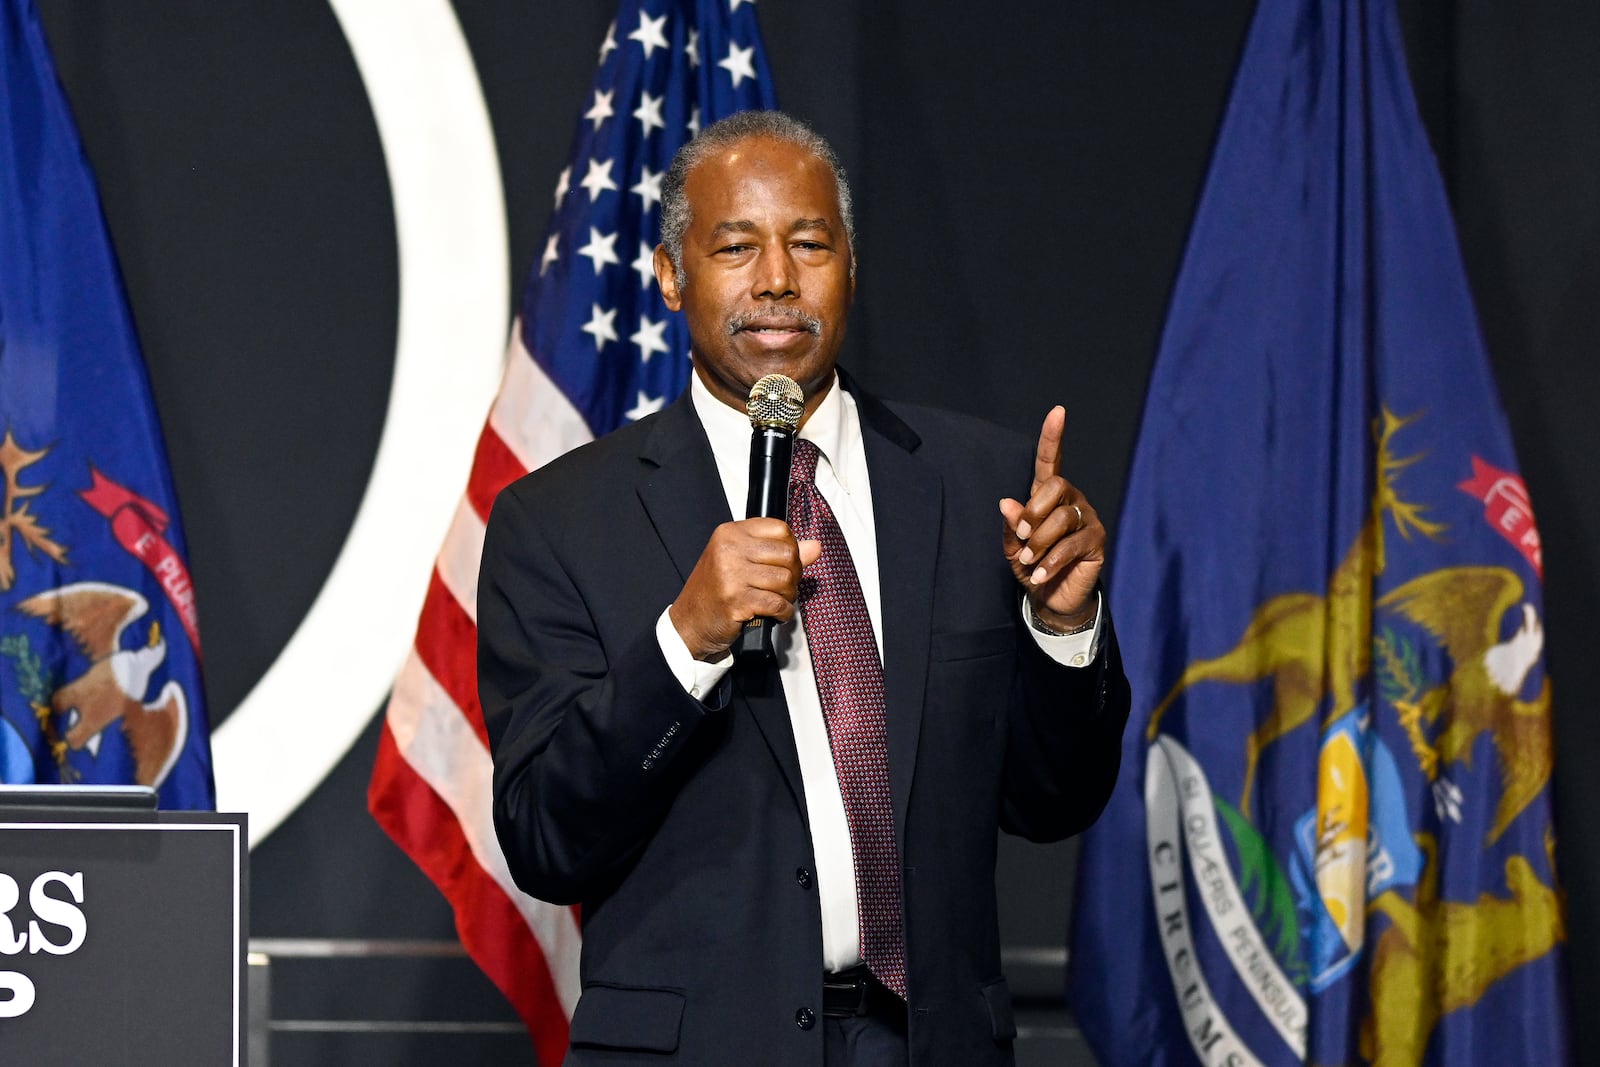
(21,990)
(56,912)
(11,942)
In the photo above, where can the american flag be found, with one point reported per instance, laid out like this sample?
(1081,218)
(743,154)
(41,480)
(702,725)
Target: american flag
(593,347)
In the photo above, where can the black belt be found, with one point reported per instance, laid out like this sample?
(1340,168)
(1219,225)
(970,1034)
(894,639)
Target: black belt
(856,992)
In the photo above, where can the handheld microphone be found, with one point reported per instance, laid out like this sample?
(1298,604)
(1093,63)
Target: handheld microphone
(775,406)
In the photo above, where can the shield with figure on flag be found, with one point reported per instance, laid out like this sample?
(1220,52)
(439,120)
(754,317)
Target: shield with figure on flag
(593,347)
(1332,841)
(99,638)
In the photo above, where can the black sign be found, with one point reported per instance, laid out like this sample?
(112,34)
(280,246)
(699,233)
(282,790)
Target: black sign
(122,938)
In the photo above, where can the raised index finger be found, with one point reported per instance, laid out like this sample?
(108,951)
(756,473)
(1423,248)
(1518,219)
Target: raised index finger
(1047,460)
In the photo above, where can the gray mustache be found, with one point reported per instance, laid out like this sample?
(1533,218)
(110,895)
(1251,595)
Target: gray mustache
(811,323)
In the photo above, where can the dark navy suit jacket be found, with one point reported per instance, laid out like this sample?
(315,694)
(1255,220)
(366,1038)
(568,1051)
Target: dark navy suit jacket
(680,825)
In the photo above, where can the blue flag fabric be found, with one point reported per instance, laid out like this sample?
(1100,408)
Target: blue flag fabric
(1332,839)
(591,313)
(99,650)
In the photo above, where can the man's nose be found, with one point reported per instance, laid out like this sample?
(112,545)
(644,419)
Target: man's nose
(775,275)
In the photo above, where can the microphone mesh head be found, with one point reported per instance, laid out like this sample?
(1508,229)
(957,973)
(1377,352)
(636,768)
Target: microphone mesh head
(776,402)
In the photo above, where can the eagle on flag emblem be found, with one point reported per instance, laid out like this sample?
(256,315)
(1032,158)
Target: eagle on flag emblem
(113,688)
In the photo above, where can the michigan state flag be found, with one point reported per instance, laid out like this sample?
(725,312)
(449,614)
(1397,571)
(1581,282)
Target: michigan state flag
(99,650)
(1332,840)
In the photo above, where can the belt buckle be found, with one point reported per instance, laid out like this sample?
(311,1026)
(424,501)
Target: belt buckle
(845,995)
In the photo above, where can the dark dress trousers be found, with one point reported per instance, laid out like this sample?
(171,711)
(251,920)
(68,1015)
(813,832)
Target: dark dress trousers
(679,824)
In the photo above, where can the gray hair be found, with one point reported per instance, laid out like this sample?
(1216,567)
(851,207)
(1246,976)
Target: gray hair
(774,125)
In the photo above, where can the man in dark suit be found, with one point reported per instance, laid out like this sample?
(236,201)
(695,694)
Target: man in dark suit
(790,861)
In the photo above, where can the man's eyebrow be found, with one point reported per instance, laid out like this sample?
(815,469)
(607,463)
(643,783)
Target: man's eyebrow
(732,226)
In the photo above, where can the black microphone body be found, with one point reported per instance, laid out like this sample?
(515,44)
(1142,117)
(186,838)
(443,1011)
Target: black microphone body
(776,407)
(771,455)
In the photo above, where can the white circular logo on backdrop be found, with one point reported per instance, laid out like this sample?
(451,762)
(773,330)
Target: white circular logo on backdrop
(303,715)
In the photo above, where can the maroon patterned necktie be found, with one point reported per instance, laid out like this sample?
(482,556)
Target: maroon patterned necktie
(844,656)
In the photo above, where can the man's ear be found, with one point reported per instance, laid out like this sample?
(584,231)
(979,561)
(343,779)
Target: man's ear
(667,278)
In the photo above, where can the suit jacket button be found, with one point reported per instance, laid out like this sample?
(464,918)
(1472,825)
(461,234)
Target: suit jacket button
(805,1018)
(803,877)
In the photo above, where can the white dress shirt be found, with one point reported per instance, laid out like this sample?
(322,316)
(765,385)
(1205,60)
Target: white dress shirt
(835,428)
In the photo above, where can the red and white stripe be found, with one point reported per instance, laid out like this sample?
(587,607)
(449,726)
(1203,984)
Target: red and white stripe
(430,788)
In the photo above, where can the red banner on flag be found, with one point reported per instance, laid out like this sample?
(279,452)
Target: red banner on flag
(139,527)
(1507,508)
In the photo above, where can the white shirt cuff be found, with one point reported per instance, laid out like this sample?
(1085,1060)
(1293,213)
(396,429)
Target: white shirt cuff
(697,677)
(1069,650)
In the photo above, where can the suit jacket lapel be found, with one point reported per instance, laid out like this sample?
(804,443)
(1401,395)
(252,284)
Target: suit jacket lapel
(681,492)
(907,501)
(678,484)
